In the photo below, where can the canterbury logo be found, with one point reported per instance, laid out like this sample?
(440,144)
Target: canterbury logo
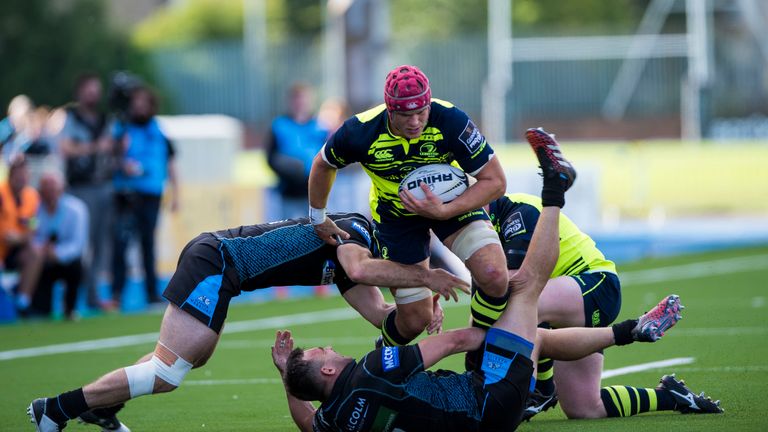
(383,154)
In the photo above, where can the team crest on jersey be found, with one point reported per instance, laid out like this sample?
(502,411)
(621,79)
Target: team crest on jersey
(513,226)
(471,137)
(428,149)
(389,358)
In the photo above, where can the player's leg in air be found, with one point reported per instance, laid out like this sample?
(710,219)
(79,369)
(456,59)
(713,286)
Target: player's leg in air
(507,365)
(185,342)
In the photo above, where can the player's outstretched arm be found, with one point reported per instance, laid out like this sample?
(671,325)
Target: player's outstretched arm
(437,347)
(302,412)
(321,178)
(362,268)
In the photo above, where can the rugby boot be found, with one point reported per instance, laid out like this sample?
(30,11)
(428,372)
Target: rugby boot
(554,166)
(687,402)
(538,402)
(652,325)
(105,418)
(43,423)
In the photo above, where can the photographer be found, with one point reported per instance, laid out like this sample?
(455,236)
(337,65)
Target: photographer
(87,155)
(145,162)
(60,240)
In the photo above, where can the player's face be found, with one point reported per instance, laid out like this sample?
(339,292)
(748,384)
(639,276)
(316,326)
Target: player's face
(323,354)
(409,124)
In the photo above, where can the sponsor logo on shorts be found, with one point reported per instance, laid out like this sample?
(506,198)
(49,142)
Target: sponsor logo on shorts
(596,318)
(357,418)
(329,272)
(363,232)
(513,226)
(389,358)
(470,214)
(202,303)
(471,137)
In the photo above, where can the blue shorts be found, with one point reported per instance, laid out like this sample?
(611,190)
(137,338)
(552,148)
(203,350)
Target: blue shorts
(601,292)
(406,240)
(504,380)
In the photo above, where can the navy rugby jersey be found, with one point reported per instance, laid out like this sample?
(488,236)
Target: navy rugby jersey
(514,216)
(388,390)
(449,136)
(289,252)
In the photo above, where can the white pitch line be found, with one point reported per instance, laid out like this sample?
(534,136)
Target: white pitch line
(695,270)
(679,272)
(647,366)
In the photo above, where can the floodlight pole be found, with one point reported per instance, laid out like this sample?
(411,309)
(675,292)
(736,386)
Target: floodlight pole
(255,53)
(334,49)
(499,79)
(698,69)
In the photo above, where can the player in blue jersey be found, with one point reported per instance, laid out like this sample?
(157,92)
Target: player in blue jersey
(409,131)
(213,268)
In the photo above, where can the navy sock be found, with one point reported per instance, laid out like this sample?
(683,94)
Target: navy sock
(66,406)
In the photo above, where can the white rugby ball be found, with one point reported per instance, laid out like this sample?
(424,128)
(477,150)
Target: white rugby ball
(445,181)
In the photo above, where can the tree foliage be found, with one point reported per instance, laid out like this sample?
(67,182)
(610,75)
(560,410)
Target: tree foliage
(45,45)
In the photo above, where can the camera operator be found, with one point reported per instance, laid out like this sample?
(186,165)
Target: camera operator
(87,155)
(145,162)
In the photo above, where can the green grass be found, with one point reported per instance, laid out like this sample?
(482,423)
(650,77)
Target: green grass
(725,329)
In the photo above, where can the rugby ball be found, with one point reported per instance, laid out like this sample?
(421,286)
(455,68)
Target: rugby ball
(445,181)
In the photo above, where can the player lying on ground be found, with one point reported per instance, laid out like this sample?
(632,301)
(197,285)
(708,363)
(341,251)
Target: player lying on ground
(389,386)
(213,268)
(390,389)
(583,291)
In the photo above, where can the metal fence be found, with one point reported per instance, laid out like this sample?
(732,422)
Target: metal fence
(214,78)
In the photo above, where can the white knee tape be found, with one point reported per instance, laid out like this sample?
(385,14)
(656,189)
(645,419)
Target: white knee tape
(410,295)
(141,377)
(475,236)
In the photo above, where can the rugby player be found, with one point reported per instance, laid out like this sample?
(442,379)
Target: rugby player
(583,291)
(410,130)
(213,268)
(389,388)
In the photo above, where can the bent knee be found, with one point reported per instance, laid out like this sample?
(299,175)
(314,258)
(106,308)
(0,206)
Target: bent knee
(583,409)
(492,279)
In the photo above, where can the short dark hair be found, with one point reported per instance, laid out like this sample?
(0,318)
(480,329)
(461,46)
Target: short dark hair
(302,377)
(83,78)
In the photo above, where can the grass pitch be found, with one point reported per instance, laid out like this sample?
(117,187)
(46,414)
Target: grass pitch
(725,330)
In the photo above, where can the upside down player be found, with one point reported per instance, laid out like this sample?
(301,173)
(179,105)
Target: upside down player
(583,291)
(408,131)
(213,268)
(389,388)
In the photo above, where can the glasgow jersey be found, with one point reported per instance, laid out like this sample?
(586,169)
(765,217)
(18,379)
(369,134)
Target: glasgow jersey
(514,217)
(289,252)
(448,136)
(388,390)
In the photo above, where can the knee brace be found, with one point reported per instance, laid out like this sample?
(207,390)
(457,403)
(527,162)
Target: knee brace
(411,295)
(475,236)
(141,377)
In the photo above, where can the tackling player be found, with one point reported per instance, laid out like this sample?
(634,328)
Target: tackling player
(408,131)
(583,291)
(213,268)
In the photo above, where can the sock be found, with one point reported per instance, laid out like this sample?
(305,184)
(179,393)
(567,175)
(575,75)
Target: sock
(108,411)
(552,196)
(389,333)
(66,406)
(545,382)
(625,401)
(486,309)
(622,332)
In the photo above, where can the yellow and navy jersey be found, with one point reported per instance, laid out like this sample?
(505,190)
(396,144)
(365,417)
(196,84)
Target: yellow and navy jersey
(449,136)
(514,217)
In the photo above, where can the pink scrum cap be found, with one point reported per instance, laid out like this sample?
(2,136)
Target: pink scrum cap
(406,89)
